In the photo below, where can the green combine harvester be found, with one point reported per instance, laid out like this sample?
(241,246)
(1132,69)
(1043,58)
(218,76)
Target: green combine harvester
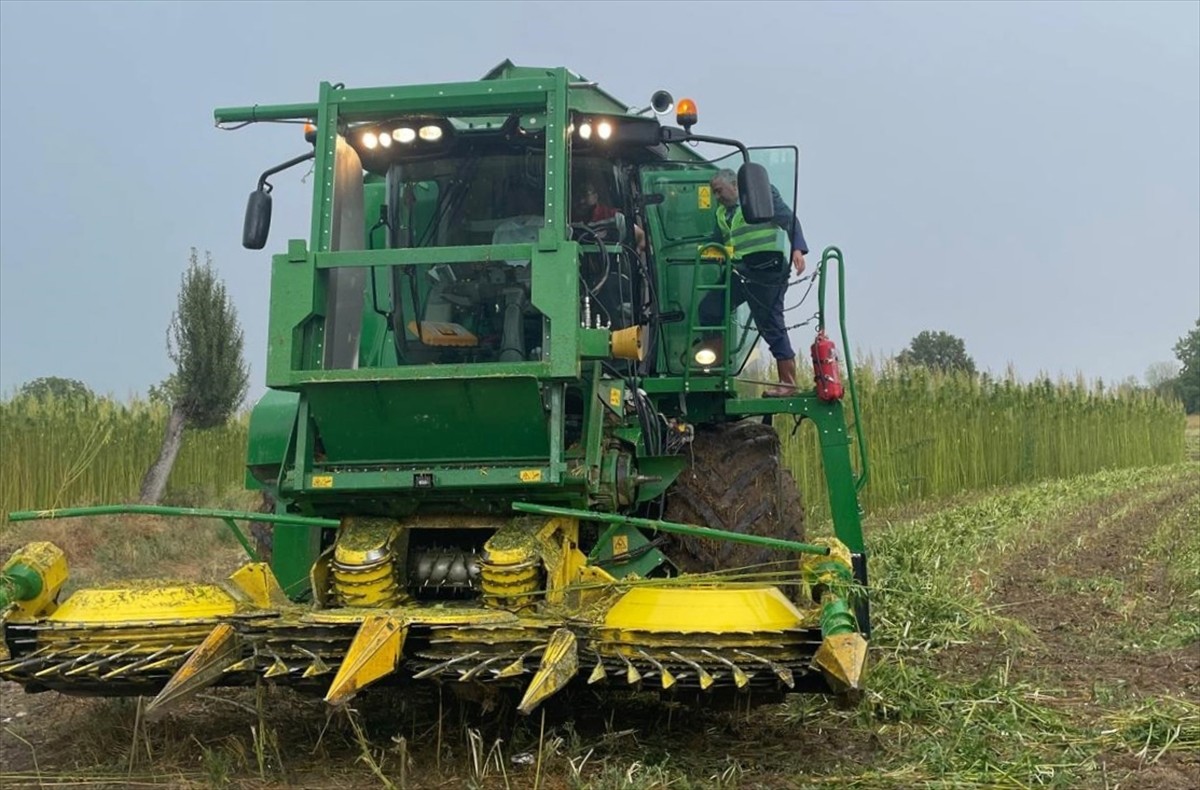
(495,456)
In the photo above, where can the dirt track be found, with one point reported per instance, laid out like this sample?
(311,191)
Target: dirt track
(1096,601)
(1083,632)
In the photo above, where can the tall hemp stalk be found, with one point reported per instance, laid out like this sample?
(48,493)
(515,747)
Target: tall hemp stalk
(932,434)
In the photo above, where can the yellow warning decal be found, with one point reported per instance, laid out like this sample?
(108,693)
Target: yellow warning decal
(620,544)
(704,196)
(614,397)
(322,481)
(531,475)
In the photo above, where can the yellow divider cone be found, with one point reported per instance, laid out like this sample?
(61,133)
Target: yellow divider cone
(560,662)
(842,658)
(374,654)
(220,650)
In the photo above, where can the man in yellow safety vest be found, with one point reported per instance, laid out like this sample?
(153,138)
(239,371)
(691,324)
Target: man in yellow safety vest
(760,272)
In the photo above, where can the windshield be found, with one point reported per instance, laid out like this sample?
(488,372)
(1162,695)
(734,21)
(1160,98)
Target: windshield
(468,199)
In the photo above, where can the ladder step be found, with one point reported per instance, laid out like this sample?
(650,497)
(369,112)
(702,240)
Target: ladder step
(714,287)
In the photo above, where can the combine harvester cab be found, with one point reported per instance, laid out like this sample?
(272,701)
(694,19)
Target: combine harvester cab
(495,453)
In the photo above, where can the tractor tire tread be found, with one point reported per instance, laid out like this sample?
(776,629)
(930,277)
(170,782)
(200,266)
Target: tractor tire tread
(735,482)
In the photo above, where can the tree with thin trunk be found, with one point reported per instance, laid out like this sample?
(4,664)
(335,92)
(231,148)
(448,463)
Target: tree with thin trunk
(204,341)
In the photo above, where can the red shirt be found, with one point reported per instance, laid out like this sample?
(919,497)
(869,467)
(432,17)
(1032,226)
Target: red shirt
(602,212)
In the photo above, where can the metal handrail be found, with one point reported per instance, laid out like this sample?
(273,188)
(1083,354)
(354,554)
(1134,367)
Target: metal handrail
(833,253)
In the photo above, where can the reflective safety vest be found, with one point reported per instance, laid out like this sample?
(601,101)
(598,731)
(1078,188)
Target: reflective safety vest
(744,238)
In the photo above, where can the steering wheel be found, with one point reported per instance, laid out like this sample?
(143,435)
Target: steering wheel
(606,230)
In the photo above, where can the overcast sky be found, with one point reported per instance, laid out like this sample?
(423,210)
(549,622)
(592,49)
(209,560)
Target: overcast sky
(1024,176)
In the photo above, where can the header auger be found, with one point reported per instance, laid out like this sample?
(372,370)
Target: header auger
(493,455)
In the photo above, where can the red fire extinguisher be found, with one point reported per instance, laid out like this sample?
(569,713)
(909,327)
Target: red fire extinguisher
(825,368)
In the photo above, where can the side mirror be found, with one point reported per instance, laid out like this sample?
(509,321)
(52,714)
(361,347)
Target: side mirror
(662,102)
(258,220)
(754,191)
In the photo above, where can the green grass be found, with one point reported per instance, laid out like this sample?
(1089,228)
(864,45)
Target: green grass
(1177,545)
(928,578)
(939,724)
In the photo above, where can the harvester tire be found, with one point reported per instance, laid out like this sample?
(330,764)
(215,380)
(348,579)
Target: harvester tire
(735,482)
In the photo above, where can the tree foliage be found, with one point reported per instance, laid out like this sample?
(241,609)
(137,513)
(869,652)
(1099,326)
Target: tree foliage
(164,391)
(1161,376)
(54,387)
(1187,351)
(205,343)
(937,350)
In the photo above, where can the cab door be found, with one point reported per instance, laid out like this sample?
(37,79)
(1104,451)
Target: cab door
(681,216)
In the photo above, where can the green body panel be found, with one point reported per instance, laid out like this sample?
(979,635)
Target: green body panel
(271,425)
(427,353)
(623,550)
(476,420)
(294,551)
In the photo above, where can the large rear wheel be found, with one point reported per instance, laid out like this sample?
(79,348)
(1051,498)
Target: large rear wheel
(735,482)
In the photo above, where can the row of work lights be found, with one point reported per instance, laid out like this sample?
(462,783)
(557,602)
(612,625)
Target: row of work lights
(629,130)
(431,133)
(602,129)
(401,134)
